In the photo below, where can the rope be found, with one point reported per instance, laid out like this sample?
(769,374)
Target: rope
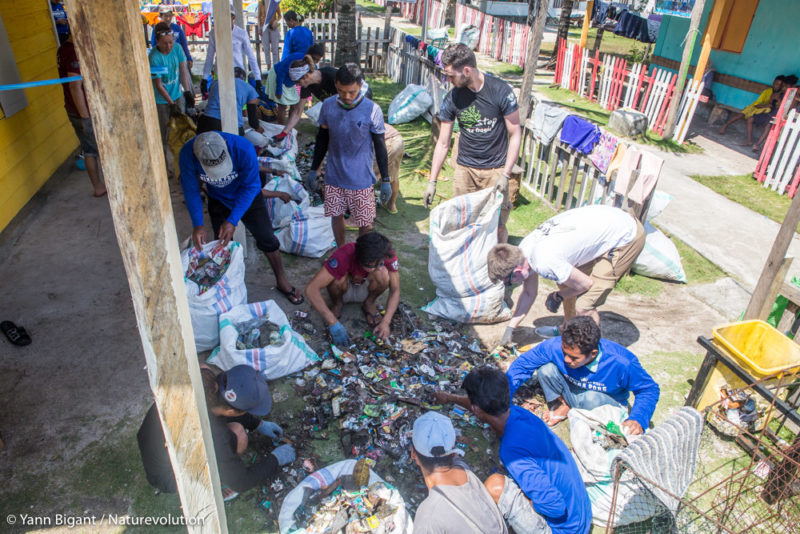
(154,71)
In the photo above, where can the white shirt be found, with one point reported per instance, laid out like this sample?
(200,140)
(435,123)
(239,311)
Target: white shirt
(576,237)
(241,50)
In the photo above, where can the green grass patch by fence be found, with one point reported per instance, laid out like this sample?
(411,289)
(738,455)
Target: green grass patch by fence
(747,191)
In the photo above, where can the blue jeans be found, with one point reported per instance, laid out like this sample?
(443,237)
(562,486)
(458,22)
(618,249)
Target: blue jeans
(555,385)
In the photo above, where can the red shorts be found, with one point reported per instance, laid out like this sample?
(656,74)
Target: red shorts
(360,202)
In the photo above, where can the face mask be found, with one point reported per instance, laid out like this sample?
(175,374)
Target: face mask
(356,102)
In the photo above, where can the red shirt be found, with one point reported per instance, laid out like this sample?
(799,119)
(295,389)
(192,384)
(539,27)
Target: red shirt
(343,262)
(68,62)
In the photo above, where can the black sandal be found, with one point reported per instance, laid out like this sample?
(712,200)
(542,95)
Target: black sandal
(15,334)
(292,296)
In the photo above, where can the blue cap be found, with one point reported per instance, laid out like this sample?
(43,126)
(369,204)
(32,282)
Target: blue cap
(245,389)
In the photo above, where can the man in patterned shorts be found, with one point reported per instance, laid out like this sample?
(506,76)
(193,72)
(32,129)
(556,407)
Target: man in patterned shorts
(350,126)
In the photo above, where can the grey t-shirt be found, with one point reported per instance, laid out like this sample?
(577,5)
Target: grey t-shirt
(476,511)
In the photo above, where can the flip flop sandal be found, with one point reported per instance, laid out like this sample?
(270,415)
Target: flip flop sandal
(373,319)
(292,296)
(15,334)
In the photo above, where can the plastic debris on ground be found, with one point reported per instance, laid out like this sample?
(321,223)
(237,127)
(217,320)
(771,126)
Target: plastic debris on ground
(206,270)
(258,333)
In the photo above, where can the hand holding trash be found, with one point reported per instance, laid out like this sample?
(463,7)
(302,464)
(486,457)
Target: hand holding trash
(339,335)
(226,233)
(276,139)
(553,302)
(382,331)
(270,429)
(284,454)
(311,180)
(199,236)
(507,335)
(284,196)
(429,194)
(386,192)
(631,427)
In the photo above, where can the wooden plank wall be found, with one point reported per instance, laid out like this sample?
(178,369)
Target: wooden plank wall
(35,141)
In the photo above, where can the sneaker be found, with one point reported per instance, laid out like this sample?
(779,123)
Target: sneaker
(547,331)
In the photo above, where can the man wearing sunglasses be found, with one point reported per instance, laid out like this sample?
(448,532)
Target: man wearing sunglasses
(357,272)
(586,251)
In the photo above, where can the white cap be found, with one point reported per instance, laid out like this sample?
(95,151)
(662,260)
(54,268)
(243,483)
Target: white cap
(435,431)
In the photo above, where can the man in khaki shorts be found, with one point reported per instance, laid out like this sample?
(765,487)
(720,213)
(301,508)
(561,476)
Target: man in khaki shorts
(586,251)
(490,133)
(395,148)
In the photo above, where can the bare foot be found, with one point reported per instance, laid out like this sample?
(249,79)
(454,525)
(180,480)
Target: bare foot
(557,414)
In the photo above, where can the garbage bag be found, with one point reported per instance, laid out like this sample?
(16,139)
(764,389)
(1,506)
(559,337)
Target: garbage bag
(289,355)
(659,257)
(462,232)
(324,477)
(313,113)
(470,35)
(594,458)
(205,306)
(281,212)
(409,104)
(287,146)
(308,233)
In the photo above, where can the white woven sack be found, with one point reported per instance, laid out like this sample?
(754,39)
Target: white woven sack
(280,212)
(313,113)
(403,523)
(308,233)
(287,146)
(659,257)
(409,104)
(228,292)
(272,361)
(462,232)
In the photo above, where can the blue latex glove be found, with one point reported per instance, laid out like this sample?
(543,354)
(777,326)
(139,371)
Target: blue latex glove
(386,192)
(311,180)
(284,454)
(270,429)
(339,335)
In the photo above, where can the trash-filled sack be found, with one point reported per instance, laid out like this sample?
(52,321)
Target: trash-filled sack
(659,257)
(308,232)
(597,439)
(470,36)
(259,335)
(279,211)
(409,104)
(377,506)
(462,232)
(287,146)
(214,279)
(313,113)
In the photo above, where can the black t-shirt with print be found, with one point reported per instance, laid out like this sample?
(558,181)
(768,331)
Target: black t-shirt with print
(481,119)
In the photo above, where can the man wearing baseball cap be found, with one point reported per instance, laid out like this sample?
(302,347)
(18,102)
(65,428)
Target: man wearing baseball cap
(227,166)
(457,501)
(236,401)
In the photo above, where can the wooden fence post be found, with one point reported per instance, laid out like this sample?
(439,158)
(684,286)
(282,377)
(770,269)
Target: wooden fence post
(122,105)
(531,58)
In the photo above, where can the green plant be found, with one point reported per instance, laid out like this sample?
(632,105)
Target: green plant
(306,7)
(636,54)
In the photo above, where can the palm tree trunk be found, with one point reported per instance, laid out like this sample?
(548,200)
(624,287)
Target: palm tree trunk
(346,44)
(563,26)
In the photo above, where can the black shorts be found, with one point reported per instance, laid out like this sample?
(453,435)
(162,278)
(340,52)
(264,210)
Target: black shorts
(255,219)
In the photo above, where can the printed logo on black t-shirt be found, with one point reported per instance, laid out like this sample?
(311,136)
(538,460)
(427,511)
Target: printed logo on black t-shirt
(471,120)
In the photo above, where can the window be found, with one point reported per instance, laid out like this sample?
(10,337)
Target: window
(734,26)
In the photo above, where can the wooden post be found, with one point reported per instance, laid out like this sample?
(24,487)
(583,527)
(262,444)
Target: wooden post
(775,260)
(387,21)
(532,56)
(721,8)
(587,22)
(688,49)
(425,12)
(122,105)
(224,56)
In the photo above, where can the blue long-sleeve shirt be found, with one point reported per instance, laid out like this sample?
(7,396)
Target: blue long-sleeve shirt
(296,41)
(546,472)
(236,191)
(618,374)
(180,38)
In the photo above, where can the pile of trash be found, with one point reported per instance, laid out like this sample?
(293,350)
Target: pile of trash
(205,270)
(257,333)
(367,507)
(369,395)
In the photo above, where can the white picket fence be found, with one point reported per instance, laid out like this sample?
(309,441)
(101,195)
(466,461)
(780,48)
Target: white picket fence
(786,156)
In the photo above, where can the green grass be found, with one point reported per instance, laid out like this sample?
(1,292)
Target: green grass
(372,7)
(611,44)
(747,191)
(598,114)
